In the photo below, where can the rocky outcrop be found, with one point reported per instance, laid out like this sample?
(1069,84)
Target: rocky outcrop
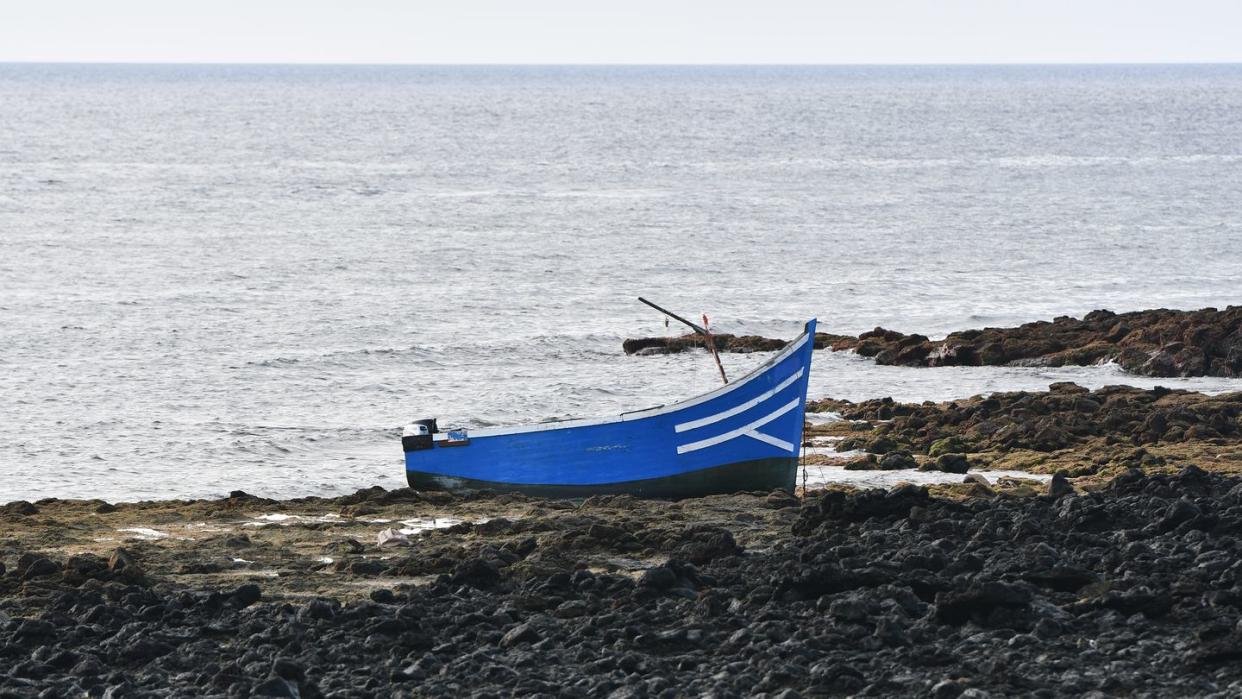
(1161,342)
(1064,416)
(724,343)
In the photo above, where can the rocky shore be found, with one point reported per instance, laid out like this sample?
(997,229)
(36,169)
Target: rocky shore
(1159,342)
(1121,576)
(1131,586)
(1088,434)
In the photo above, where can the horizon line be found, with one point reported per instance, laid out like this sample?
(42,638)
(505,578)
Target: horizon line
(534,64)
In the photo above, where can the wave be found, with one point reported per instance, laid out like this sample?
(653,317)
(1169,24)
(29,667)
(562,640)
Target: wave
(418,351)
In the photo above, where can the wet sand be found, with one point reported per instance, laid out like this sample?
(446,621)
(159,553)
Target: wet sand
(299,549)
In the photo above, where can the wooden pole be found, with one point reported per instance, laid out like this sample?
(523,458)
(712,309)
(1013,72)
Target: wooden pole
(703,331)
(674,316)
(711,345)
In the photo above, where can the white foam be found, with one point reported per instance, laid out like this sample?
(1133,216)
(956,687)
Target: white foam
(418,525)
(822,418)
(815,475)
(832,453)
(286,520)
(145,533)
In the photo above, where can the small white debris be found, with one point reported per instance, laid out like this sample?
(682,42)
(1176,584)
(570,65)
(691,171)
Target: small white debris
(144,533)
(392,537)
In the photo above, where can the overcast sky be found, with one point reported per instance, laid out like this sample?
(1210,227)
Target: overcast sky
(622,31)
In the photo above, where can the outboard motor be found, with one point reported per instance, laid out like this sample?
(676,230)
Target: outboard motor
(418,435)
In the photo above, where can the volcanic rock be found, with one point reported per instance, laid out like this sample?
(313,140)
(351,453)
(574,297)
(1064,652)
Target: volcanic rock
(1047,421)
(1160,342)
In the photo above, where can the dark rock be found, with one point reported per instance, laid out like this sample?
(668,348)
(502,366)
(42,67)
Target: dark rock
(1062,578)
(850,609)
(410,673)
(948,445)
(276,687)
(476,572)
(345,546)
(948,689)
(33,629)
(779,499)
(1143,601)
(19,508)
(246,595)
(119,691)
(898,460)
(145,649)
(952,463)
(123,564)
(703,544)
(571,609)
(724,343)
(383,596)
(1059,486)
(880,445)
(522,633)
(866,462)
(365,567)
(37,567)
(85,566)
(1181,510)
(978,602)
(659,578)
(318,609)
(89,666)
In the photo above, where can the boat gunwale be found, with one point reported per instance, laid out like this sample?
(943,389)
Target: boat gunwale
(643,413)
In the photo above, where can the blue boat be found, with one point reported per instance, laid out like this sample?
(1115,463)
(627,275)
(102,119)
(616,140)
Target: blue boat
(745,435)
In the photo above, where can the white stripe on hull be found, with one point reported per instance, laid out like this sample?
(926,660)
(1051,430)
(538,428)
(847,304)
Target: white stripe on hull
(774,441)
(749,430)
(741,407)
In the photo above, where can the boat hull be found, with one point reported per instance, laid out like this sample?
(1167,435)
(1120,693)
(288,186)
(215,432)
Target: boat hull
(761,475)
(743,436)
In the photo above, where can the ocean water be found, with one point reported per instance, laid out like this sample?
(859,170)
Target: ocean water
(249,277)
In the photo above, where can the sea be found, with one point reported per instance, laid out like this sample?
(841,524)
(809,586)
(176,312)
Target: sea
(249,277)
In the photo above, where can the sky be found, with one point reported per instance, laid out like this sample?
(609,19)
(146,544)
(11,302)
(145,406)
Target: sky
(621,31)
